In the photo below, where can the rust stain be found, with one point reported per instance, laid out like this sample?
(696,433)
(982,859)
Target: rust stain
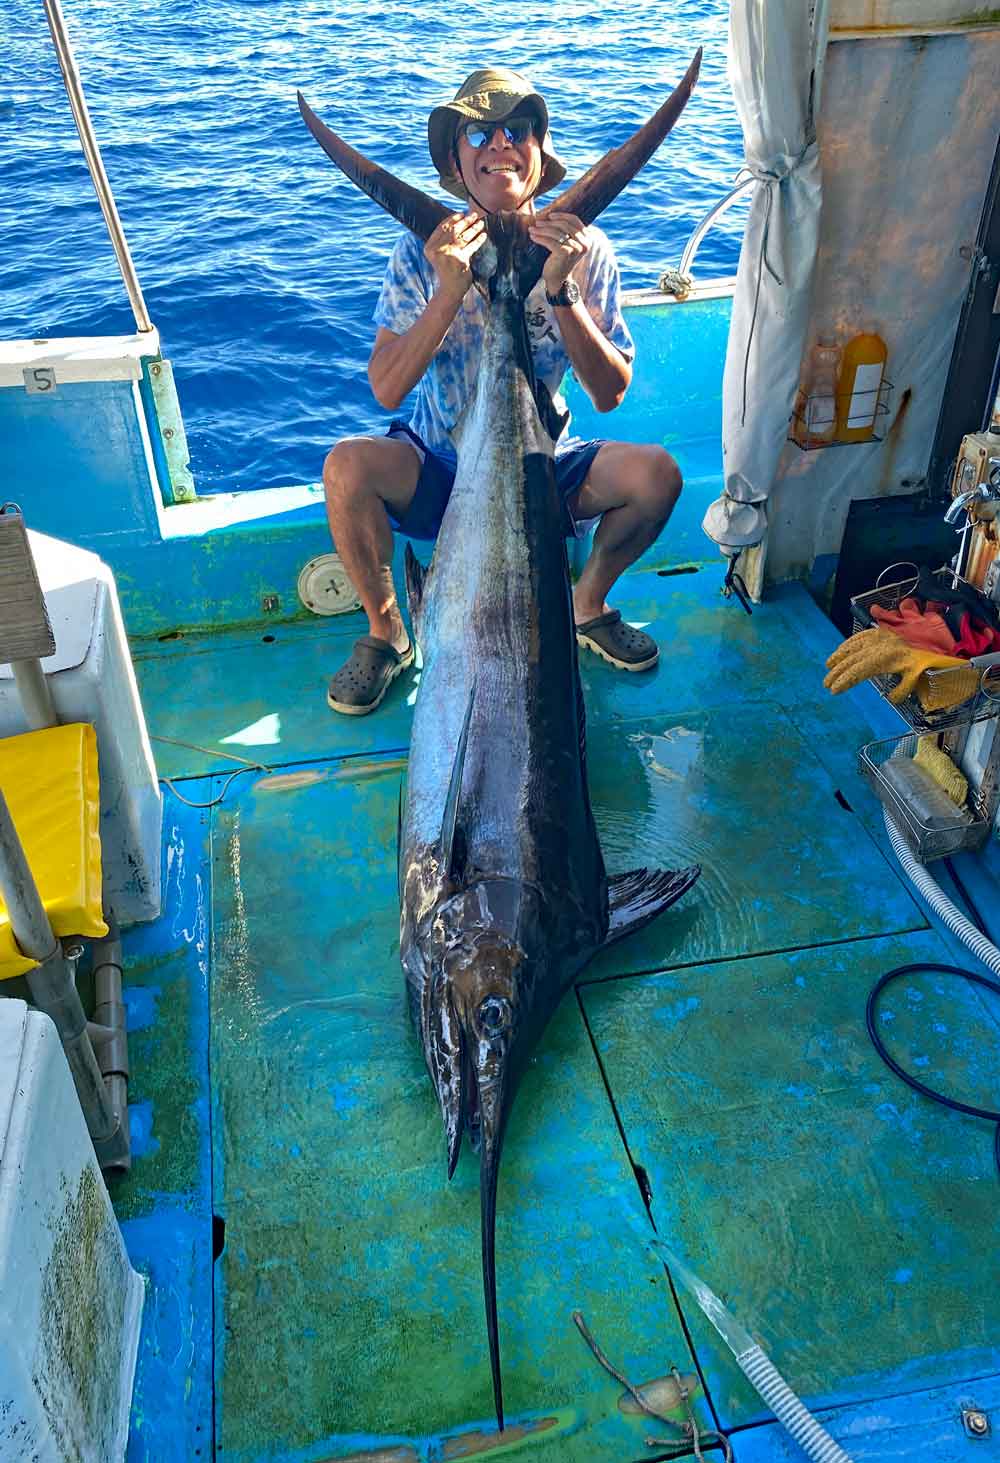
(285,781)
(479,1443)
(886,481)
(662,1394)
(364,771)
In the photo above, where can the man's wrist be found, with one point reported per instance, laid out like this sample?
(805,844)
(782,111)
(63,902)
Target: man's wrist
(450,294)
(565,296)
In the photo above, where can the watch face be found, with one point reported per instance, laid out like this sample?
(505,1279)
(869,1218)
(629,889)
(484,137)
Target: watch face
(568,295)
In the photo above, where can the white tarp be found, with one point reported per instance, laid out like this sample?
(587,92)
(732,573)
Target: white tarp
(908,134)
(776,54)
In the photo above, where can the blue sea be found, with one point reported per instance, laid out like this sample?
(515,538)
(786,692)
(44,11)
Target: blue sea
(259,262)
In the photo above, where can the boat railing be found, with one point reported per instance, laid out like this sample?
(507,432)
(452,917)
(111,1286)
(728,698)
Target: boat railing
(679,281)
(95,164)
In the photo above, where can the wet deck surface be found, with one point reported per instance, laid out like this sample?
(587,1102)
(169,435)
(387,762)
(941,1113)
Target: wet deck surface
(315,1282)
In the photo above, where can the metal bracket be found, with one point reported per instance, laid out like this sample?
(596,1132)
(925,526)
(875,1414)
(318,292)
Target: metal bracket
(976,1422)
(172,434)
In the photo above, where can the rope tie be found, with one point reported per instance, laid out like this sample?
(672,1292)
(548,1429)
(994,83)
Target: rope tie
(771,178)
(687,1435)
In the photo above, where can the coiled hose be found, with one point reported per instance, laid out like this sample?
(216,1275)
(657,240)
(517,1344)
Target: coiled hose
(973,938)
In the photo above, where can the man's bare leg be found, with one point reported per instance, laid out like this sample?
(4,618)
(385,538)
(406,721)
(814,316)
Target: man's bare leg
(634,487)
(363,478)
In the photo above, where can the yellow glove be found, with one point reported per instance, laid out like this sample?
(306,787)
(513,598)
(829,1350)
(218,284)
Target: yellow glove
(881,653)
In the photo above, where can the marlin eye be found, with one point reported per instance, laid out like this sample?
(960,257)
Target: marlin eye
(494,1014)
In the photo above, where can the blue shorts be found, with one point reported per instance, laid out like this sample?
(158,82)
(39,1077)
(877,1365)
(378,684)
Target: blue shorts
(422,518)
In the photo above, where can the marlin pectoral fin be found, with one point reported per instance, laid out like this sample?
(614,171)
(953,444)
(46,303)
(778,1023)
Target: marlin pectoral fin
(414,209)
(450,820)
(640,895)
(415,575)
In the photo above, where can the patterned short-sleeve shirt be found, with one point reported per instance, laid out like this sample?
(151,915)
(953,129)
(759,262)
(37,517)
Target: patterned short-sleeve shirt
(449,379)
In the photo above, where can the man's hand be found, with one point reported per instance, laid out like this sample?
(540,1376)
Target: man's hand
(567,240)
(449,252)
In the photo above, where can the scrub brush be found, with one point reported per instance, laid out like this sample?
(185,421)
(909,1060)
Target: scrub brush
(938,764)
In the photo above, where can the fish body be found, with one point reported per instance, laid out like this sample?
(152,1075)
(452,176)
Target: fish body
(503,890)
(494,621)
(504,897)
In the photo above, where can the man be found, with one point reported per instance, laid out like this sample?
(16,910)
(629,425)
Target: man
(491,147)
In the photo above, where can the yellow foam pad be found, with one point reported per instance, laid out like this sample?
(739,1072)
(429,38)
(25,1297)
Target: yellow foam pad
(943,770)
(49,780)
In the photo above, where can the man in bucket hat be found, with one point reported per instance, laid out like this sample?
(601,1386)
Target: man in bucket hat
(491,147)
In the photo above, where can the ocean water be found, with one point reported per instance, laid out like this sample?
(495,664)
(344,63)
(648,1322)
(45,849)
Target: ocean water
(259,262)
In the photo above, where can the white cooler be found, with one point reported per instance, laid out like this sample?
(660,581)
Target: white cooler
(70,1302)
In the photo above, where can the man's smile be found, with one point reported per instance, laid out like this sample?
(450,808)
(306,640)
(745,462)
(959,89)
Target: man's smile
(512,167)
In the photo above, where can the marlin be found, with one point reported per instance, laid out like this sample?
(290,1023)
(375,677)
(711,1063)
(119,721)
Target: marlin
(504,897)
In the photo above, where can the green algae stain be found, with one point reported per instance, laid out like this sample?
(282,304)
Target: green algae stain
(163,1074)
(979,17)
(85,1296)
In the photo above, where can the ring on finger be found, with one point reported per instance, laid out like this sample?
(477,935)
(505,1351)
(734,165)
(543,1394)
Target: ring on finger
(564,238)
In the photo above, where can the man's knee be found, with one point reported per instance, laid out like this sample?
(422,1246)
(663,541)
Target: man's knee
(345,471)
(376,471)
(655,482)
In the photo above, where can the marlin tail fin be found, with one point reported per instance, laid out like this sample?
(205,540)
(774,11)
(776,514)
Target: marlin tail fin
(414,209)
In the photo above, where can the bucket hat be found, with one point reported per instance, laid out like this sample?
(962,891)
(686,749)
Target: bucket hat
(489,95)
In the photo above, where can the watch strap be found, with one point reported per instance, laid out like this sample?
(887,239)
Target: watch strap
(567,295)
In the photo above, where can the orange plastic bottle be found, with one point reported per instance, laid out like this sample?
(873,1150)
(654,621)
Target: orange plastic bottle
(861,372)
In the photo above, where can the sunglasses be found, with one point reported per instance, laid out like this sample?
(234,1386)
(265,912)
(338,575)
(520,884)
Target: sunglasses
(516,130)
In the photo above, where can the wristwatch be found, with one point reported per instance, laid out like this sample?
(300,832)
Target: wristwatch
(568,295)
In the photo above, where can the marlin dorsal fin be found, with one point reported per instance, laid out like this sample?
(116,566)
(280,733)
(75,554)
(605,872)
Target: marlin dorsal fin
(450,819)
(415,575)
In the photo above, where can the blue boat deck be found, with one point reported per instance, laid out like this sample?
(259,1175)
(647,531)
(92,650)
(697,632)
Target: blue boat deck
(315,1287)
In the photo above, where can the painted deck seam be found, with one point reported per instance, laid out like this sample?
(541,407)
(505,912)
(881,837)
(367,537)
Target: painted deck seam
(755,955)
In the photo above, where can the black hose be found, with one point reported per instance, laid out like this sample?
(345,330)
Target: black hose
(914,1082)
(967,899)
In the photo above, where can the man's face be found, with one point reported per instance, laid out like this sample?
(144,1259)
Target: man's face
(501,173)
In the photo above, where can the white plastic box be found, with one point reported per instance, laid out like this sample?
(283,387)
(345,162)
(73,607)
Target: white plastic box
(70,1302)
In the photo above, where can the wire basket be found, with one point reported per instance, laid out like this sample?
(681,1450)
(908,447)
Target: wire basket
(846,408)
(932,825)
(970,692)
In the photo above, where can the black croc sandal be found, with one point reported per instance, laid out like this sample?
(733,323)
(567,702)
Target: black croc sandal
(359,686)
(619,644)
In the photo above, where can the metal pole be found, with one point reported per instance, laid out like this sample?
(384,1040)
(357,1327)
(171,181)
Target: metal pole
(91,151)
(53,991)
(724,203)
(35,693)
(28,920)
